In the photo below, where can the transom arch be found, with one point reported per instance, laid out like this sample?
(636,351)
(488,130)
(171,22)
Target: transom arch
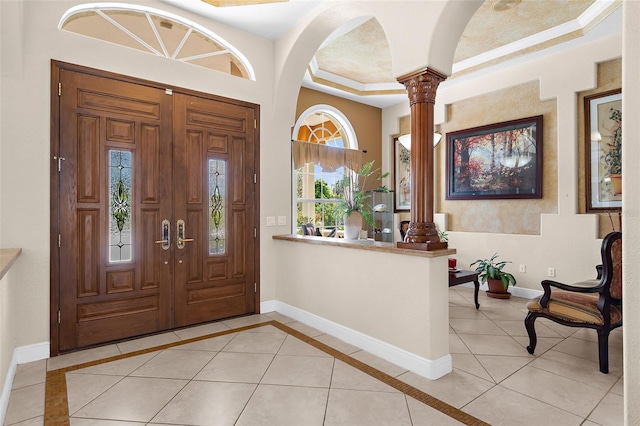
(159,33)
(341,127)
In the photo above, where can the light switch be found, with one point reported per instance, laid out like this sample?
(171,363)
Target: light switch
(271,221)
(282,220)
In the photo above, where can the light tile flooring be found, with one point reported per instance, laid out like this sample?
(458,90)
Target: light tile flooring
(265,376)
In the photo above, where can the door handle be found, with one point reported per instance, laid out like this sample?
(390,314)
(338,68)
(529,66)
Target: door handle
(166,235)
(181,232)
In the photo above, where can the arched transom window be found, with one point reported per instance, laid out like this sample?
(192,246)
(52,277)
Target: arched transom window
(157,32)
(324,150)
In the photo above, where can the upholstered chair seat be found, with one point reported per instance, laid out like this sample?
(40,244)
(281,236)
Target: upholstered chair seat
(577,308)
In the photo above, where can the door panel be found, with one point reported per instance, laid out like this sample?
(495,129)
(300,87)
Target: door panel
(214,285)
(137,164)
(102,298)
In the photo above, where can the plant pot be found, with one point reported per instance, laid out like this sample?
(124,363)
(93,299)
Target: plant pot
(352,226)
(497,290)
(616,184)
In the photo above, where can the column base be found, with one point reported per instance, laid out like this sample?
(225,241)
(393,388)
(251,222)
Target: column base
(423,246)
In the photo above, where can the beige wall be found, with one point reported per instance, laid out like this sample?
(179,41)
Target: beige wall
(562,238)
(519,216)
(30,39)
(609,78)
(631,212)
(390,304)
(366,120)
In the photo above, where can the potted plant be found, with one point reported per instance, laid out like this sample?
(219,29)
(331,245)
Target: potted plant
(354,204)
(491,271)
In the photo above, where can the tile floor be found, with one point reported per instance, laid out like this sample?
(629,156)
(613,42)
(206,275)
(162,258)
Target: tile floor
(265,376)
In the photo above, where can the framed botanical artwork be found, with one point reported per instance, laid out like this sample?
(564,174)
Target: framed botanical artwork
(497,161)
(402,176)
(603,155)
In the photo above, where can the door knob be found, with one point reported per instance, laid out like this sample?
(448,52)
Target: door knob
(181,232)
(166,235)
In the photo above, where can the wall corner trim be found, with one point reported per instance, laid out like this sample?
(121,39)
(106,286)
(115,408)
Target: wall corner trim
(21,355)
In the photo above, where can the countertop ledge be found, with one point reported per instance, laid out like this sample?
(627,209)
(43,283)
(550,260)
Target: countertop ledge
(7,257)
(362,245)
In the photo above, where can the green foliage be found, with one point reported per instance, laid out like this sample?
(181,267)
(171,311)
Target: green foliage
(322,190)
(325,214)
(354,191)
(120,205)
(492,269)
(613,157)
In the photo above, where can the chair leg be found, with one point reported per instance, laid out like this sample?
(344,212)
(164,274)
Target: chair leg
(603,350)
(529,325)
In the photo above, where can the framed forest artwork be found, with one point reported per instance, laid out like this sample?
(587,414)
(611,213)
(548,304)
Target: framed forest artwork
(496,161)
(603,155)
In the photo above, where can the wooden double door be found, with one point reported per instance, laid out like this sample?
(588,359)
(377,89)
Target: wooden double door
(154,202)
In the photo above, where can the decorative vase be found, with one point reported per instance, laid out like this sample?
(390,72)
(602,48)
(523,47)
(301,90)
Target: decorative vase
(352,225)
(497,290)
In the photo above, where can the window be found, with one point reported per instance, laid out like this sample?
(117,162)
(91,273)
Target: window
(324,151)
(157,32)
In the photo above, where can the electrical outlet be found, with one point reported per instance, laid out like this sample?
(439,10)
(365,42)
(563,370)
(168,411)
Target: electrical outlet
(282,220)
(271,221)
(551,272)
(523,269)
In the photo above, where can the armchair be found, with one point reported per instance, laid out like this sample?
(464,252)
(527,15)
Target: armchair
(593,304)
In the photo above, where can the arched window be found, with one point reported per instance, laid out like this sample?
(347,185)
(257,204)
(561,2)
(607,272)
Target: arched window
(157,32)
(324,150)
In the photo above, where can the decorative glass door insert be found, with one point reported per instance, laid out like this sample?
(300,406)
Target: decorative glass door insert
(120,204)
(217,193)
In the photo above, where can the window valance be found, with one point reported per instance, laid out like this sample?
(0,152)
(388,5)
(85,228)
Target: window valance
(330,158)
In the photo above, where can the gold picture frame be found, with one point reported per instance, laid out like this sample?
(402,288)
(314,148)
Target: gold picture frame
(603,142)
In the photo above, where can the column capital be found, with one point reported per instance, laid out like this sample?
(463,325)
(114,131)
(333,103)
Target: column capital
(422,85)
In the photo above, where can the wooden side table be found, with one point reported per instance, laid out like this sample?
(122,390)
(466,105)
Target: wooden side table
(461,277)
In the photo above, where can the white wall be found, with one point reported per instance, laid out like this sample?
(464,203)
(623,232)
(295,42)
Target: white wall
(631,211)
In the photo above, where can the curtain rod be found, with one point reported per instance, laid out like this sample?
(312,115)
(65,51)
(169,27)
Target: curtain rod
(293,140)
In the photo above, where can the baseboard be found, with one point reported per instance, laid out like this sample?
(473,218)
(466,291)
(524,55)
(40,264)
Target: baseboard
(431,369)
(268,306)
(525,293)
(21,355)
(30,353)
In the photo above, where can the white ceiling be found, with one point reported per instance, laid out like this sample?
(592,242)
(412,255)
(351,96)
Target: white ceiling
(268,20)
(500,30)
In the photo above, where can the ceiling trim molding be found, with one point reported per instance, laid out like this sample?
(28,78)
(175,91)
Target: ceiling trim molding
(329,79)
(575,27)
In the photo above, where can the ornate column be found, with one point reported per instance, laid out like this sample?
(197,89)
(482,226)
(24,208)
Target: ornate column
(422,233)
